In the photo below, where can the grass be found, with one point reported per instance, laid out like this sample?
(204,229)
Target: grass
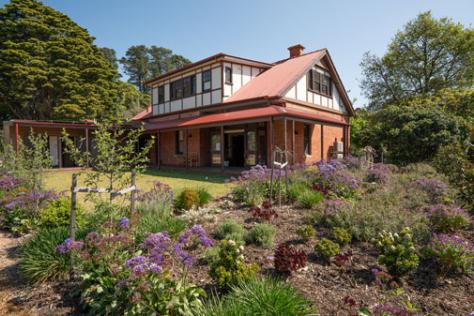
(60,180)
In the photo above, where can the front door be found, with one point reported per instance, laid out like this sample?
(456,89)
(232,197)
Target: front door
(237,143)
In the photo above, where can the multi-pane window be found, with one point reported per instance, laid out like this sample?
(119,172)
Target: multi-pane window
(161,94)
(206,80)
(307,139)
(176,89)
(189,86)
(319,83)
(228,75)
(179,142)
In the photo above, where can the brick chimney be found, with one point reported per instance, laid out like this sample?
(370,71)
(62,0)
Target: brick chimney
(296,50)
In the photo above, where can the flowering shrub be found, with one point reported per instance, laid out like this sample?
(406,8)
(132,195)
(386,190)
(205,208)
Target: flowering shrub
(335,177)
(452,253)
(448,218)
(305,232)
(200,215)
(288,259)
(263,213)
(230,268)
(398,252)
(341,236)
(379,173)
(326,248)
(436,189)
(261,235)
(119,278)
(252,186)
(158,200)
(8,183)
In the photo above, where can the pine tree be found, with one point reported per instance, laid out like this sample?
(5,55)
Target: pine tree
(50,67)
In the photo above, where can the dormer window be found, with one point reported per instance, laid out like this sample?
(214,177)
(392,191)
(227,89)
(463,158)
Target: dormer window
(228,75)
(319,83)
(206,80)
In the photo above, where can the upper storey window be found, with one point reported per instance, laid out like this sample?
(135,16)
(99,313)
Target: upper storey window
(319,83)
(183,88)
(206,80)
(161,94)
(228,75)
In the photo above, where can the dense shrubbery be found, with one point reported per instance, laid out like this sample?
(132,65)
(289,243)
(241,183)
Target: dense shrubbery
(448,218)
(341,236)
(58,214)
(451,253)
(231,230)
(326,248)
(230,268)
(261,235)
(305,232)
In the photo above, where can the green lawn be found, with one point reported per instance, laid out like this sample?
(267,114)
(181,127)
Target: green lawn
(60,180)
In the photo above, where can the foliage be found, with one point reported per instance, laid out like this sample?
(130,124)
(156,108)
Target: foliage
(142,63)
(187,199)
(398,252)
(288,259)
(306,232)
(261,235)
(436,189)
(119,278)
(341,236)
(426,56)
(58,214)
(451,253)
(326,248)
(211,255)
(413,133)
(201,215)
(263,213)
(252,186)
(50,67)
(151,223)
(158,201)
(115,155)
(230,230)
(379,173)
(230,269)
(263,297)
(39,260)
(334,177)
(310,198)
(296,189)
(204,196)
(448,218)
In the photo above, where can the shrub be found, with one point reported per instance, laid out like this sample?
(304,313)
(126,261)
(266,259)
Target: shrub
(452,253)
(230,268)
(200,215)
(261,235)
(159,200)
(39,260)
(326,248)
(335,177)
(341,236)
(58,214)
(204,196)
(296,189)
(150,223)
(187,199)
(446,218)
(263,213)
(211,255)
(230,229)
(250,192)
(398,252)
(379,173)
(436,189)
(310,198)
(305,232)
(263,297)
(288,259)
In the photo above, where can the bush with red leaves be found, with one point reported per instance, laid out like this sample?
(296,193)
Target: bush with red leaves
(264,213)
(288,259)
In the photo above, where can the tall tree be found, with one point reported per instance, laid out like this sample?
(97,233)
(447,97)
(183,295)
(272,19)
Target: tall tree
(136,65)
(426,56)
(50,67)
(142,63)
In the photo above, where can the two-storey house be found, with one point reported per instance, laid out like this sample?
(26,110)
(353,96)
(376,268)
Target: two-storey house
(226,111)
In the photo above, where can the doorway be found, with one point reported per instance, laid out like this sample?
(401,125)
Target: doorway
(235,149)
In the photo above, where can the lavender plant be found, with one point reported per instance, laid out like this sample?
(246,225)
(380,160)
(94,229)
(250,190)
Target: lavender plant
(448,218)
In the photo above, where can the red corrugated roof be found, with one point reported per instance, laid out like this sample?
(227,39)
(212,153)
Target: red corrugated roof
(242,115)
(87,123)
(276,80)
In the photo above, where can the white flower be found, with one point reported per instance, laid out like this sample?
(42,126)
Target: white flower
(231,242)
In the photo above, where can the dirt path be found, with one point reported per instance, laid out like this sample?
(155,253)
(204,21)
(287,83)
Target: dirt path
(11,286)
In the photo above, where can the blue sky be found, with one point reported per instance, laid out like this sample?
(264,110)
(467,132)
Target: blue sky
(258,29)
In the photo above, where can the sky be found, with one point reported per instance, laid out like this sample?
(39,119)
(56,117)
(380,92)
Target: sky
(258,29)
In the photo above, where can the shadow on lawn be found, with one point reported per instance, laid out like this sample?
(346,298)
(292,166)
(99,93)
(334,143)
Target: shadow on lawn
(187,175)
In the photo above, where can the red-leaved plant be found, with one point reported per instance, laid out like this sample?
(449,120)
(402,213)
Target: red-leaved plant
(263,213)
(343,258)
(288,259)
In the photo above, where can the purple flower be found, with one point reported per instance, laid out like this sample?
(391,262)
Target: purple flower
(433,187)
(392,309)
(124,223)
(68,245)
(445,240)
(8,183)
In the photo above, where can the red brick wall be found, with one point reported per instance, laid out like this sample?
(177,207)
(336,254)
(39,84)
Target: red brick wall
(167,150)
